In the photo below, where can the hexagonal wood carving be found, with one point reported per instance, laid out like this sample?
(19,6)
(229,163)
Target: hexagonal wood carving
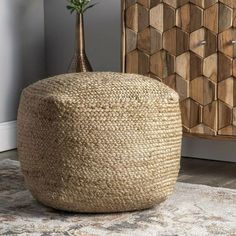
(175,3)
(225,115)
(132,17)
(210,67)
(137,62)
(149,40)
(170,81)
(166,19)
(203,129)
(225,17)
(175,41)
(162,64)
(210,114)
(211,20)
(189,66)
(203,42)
(190,45)
(137,17)
(191,113)
(234,116)
(225,67)
(182,87)
(189,17)
(230,3)
(196,66)
(227,91)
(234,18)
(129,3)
(229,130)
(149,3)
(202,90)
(234,67)
(183,65)
(226,42)
(131,40)
(204,3)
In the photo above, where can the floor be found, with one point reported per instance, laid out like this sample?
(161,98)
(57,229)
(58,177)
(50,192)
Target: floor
(212,173)
(195,171)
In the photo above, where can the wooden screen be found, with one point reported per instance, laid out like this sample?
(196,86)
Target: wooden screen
(190,45)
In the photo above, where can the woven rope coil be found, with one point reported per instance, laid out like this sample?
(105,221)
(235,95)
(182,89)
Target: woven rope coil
(99,142)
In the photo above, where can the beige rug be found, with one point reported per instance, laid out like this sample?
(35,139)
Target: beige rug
(191,210)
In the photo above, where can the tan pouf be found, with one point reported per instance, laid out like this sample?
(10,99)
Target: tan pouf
(99,142)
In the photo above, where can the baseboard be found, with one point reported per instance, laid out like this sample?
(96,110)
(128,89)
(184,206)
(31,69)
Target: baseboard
(7,136)
(209,149)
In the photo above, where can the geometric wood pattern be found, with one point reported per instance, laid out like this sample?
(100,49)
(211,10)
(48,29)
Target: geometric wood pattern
(211,18)
(203,42)
(149,40)
(204,3)
(190,45)
(164,12)
(189,17)
(225,67)
(175,41)
(210,67)
(225,17)
(202,90)
(162,64)
(226,42)
(226,91)
(230,3)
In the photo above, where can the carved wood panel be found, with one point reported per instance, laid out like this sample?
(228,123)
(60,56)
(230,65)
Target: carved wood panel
(190,45)
(227,67)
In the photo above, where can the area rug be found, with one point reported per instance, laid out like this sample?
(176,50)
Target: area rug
(191,210)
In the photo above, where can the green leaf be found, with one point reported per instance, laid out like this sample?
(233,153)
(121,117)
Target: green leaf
(90,6)
(79,6)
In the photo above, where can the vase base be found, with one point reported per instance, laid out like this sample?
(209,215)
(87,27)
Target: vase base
(80,63)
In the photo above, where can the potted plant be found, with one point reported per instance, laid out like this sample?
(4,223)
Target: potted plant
(80,62)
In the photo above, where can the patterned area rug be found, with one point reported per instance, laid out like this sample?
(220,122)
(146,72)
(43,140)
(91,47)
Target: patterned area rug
(192,210)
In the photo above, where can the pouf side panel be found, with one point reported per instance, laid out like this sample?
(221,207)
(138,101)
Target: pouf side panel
(155,148)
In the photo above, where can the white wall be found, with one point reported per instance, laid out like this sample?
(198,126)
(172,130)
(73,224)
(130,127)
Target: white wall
(21,51)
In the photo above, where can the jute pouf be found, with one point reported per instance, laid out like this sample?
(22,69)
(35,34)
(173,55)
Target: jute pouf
(99,142)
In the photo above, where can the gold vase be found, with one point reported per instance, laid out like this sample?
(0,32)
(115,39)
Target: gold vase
(80,62)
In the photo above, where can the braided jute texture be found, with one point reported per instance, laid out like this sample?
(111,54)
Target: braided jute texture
(99,142)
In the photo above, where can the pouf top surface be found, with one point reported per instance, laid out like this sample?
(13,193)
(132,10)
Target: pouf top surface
(106,87)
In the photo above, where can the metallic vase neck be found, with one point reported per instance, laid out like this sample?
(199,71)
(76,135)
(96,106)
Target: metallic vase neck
(80,41)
